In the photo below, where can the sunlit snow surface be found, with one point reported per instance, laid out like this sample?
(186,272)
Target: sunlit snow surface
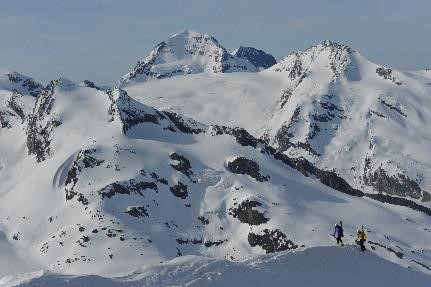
(66,213)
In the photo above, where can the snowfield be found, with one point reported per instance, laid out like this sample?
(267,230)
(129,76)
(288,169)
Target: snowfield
(218,176)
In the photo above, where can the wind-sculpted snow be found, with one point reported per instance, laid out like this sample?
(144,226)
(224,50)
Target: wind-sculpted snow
(326,266)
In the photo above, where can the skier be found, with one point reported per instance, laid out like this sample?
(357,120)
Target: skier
(361,238)
(338,233)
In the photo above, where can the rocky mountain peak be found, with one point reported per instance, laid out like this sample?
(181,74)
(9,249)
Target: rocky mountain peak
(325,55)
(13,81)
(188,52)
(258,58)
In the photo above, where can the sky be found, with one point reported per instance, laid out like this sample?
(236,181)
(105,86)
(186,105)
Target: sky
(101,40)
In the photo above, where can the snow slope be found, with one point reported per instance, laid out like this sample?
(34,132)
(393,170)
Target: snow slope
(112,184)
(326,266)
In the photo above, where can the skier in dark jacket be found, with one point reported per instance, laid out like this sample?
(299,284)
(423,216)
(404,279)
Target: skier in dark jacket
(338,233)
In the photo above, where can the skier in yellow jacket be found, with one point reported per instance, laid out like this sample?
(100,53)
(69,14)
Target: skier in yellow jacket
(361,238)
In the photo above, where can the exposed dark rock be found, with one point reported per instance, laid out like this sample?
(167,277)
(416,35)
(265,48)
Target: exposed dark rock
(158,178)
(212,243)
(15,106)
(246,213)
(137,211)
(179,190)
(398,110)
(314,130)
(386,73)
(187,241)
(399,254)
(283,135)
(258,58)
(372,112)
(203,220)
(422,264)
(195,46)
(285,97)
(127,187)
(130,113)
(41,123)
(271,241)
(133,113)
(330,106)
(328,178)
(83,159)
(182,241)
(399,201)
(31,86)
(323,117)
(90,84)
(144,67)
(183,164)
(242,165)
(189,127)
(296,70)
(242,137)
(399,185)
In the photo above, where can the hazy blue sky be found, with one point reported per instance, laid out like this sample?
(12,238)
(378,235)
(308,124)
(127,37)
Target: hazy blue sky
(102,39)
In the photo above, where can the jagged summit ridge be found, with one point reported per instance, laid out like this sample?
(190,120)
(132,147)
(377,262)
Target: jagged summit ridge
(188,52)
(13,81)
(326,54)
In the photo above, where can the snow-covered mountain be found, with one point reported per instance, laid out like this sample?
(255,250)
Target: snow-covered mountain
(258,58)
(363,120)
(214,164)
(13,81)
(327,104)
(188,52)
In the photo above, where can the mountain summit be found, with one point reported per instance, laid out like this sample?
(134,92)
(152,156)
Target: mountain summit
(185,53)
(258,58)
